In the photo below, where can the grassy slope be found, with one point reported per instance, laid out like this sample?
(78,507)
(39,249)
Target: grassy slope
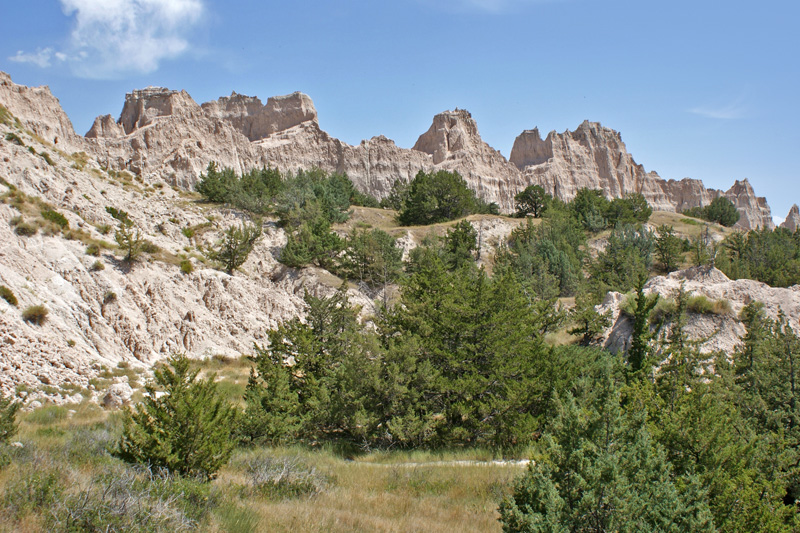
(375,492)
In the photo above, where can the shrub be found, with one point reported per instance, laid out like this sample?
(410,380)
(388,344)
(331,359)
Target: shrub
(700,304)
(150,248)
(104,229)
(109,297)
(8,419)
(187,430)
(24,229)
(93,250)
(12,137)
(5,116)
(130,240)
(48,415)
(56,218)
(47,158)
(97,266)
(8,295)
(35,314)
(37,486)
(186,266)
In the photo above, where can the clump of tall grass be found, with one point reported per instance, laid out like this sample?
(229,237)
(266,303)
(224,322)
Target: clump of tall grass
(283,477)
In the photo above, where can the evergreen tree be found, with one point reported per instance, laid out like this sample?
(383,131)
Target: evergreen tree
(186,429)
(589,324)
(722,211)
(437,197)
(129,239)
(640,336)
(460,244)
(372,257)
(669,248)
(236,245)
(589,208)
(8,419)
(314,380)
(532,201)
(313,242)
(631,209)
(627,257)
(599,469)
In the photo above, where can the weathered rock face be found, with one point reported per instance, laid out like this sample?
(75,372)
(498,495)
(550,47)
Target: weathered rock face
(39,111)
(255,121)
(724,332)
(143,107)
(105,126)
(164,135)
(595,157)
(792,222)
(591,157)
(754,211)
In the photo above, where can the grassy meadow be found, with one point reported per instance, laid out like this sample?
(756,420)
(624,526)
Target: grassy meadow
(65,478)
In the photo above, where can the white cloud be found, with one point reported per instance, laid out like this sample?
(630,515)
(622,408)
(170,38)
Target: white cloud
(731,111)
(41,58)
(110,38)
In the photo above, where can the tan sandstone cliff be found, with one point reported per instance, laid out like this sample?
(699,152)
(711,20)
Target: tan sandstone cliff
(165,134)
(792,222)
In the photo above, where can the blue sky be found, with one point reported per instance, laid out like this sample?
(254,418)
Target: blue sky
(702,89)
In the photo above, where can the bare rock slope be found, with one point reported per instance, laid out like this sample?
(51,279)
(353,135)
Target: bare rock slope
(163,134)
(102,311)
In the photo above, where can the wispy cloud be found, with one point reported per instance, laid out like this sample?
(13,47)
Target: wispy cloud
(489,6)
(111,38)
(729,111)
(40,58)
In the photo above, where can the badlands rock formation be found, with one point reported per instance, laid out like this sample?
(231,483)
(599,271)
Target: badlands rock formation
(792,222)
(723,332)
(100,317)
(163,134)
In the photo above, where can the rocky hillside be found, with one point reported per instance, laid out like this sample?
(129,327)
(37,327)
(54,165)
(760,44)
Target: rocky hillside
(720,330)
(103,312)
(164,135)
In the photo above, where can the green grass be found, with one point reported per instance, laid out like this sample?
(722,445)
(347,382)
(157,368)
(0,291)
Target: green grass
(67,463)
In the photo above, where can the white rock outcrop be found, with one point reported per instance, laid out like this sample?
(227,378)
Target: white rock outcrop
(792,222)
(721,332)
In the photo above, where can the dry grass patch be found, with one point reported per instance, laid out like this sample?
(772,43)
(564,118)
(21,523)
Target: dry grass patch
(372,495)
(687,227)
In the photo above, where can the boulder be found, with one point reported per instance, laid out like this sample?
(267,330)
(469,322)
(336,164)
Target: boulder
(117,396)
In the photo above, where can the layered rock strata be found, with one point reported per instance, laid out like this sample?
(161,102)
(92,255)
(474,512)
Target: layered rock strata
(163,134)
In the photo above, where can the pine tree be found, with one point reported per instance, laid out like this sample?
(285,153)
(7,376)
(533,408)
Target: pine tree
(236,245)
(669,248)
(186,430)
(129,239)
(599,470)
(640,336)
